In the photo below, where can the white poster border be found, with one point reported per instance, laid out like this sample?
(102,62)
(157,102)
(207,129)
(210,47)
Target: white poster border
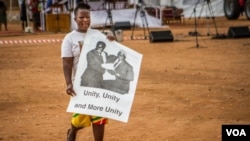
(102,102)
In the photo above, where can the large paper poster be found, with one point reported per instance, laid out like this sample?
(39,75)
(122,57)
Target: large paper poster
(106,78)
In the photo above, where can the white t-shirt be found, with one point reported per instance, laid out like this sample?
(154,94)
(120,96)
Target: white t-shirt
(71,48)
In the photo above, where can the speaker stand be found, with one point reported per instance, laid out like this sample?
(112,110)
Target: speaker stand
(139,8)
(195,33)
(109,17)
(211,15)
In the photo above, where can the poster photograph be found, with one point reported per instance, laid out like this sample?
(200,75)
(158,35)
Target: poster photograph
(106,78)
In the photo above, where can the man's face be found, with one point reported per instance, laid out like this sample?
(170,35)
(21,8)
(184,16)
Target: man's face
(82,19)
(99,49)
(121,57)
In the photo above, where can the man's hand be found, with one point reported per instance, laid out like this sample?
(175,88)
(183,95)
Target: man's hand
(70,90)
(111,72)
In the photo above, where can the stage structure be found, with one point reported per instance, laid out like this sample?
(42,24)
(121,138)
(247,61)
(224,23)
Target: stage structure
(124,12)
(57,16)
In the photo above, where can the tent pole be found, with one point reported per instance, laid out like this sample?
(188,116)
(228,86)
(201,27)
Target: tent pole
(10,10)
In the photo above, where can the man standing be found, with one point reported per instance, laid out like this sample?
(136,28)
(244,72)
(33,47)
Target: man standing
(33,6)
(93,75)
(23,15)
(3,15)
(123,73)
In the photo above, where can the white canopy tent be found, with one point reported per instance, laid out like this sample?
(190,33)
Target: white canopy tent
(187,5)
(201,6)
(202,9)
(10,10)
(99,18)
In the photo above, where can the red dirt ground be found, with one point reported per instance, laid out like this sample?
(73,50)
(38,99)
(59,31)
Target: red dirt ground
(183,93)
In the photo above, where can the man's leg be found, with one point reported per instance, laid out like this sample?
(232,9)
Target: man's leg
(98,131)
(6,26)
(23,25)
(72,132)
(78,122)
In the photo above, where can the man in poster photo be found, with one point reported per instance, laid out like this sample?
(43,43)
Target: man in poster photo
(93,74)
(123,73)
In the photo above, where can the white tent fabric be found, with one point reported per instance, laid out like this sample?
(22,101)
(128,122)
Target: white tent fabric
(124,15)
(100,18)
(214,8)
(201,8)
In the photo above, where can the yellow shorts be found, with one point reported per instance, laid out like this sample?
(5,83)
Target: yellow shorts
(80,120)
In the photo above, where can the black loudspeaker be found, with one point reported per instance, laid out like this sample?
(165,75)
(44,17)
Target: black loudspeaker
(122,25)
(161,36)
(238,32)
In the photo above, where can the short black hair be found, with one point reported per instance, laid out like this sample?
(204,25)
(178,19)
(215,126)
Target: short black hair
(122,53)
(81,5)
(100,44)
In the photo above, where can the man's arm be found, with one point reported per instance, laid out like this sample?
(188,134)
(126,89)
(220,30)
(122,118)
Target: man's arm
(126,73)
(95,63)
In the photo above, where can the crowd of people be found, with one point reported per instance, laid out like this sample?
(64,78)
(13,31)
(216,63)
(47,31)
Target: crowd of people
(31,10)
(26,7)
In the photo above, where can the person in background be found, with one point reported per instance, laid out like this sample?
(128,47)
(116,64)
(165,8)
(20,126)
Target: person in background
(48,6)
(3,15)
(23,15)
(33,6)
(70,53)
